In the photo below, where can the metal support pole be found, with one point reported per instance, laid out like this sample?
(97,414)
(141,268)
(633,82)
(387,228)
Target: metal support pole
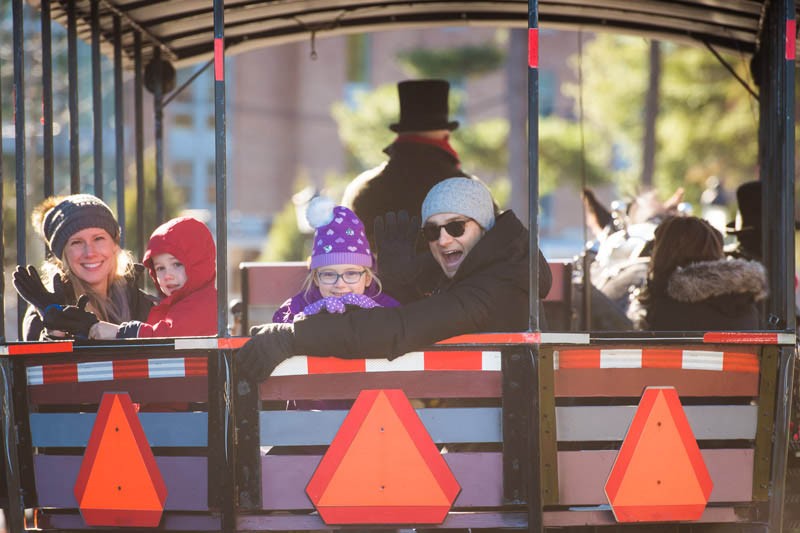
(221,169)
(47,99)
(228,503)
(97,100)
(138,110)
(533,473)
(19,142)
(15,517)
(158,110)
(119,130)
(72,76)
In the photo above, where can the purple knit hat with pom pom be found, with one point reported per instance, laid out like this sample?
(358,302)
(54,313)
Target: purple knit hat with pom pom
(339,238)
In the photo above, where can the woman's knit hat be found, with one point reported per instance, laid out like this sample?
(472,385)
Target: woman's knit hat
(339,238)
(462,196)
(73,214)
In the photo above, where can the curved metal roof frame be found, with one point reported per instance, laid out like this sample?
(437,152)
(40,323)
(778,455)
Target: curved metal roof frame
(184,28)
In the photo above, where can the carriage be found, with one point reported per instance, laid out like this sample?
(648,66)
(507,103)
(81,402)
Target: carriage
(528,430)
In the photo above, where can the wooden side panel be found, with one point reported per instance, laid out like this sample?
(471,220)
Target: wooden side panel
(142,391)
(630,382)
(610,423)
(428,384)
(186,479)
(54,430)
(309,428)
(582,475)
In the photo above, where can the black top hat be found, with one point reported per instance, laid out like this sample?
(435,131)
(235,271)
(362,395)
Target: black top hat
(748,219)
(423,106)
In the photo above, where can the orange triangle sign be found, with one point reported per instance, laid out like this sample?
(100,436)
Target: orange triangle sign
(382,467)
(659,473)
(119,483)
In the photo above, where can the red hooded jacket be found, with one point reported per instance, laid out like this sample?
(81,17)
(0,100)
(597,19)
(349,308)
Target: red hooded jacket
(192,309)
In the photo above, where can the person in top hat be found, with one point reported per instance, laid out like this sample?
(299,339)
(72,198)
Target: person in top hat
(747,226)
(419,158)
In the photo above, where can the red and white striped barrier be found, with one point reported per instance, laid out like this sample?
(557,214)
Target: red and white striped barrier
(656,358)
(176,367)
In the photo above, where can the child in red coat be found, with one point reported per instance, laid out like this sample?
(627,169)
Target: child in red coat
(181,259)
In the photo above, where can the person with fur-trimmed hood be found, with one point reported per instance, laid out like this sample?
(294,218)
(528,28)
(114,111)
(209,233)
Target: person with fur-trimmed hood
(691,285)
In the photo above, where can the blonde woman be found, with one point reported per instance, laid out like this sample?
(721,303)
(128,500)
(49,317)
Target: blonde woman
(83,237)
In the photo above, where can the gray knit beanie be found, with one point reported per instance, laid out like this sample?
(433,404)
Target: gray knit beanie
(462,196)
(73,214)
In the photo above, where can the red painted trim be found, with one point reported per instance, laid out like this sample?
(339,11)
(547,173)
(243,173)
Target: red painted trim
(791,39)
(657,513)
(131,369)
(40,348)
(62,373)
(533,47)
(195,366)
(579,358)
(733,337)
(333,365)
(661,358)
(219,59)
(740,362)
(231,343)
(453,360)
(494,338)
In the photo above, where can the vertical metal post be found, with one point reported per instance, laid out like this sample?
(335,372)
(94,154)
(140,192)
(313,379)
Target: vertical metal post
(220,169)
(158,110)
(138,110)
(97,100)
(47,99)
(533,470)
(119,130)
(72,76)
(19,142)
(224,357)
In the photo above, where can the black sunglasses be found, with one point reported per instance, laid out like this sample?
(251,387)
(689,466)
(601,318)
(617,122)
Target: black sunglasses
(454,228)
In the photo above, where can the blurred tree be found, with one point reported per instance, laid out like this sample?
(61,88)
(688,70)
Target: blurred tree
(174,201)
(452,63)
(707,122)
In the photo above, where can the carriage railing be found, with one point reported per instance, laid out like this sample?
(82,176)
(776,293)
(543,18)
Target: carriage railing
(457,419)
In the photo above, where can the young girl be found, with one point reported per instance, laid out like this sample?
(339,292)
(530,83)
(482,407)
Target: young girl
(340,272)
(181,259)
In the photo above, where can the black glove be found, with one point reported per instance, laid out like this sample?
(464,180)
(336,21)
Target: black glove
(395,242)
(74,319)
(29,285)
(270,346)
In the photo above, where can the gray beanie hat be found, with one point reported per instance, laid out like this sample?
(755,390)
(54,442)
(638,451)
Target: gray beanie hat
(73,214)
(463,196)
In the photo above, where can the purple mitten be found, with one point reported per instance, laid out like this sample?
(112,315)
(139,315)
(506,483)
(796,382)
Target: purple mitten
(332,304)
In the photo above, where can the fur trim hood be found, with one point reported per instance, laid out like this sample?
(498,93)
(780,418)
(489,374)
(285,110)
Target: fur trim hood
(709,279)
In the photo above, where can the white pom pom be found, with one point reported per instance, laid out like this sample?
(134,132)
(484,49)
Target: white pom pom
(320,211)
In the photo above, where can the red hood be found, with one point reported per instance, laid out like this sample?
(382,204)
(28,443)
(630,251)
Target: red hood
(190,241)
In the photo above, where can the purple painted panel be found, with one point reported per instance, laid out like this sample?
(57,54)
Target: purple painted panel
(284,479)
(186,479)
(583,474)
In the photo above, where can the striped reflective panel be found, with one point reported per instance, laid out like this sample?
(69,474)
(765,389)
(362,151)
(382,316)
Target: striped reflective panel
(410,362)
(176,367)
(656,358)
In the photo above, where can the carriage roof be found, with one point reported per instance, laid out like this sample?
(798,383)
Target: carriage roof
(183,28)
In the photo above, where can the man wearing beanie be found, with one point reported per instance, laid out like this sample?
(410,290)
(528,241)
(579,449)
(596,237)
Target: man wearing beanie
(419,158)
(482,287)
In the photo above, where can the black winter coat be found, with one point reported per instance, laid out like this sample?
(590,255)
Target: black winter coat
(401,183)
(709,296)
(489,293)
(140,302)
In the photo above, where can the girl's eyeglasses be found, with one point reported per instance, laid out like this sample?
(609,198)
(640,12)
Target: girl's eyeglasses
(329,277)
(454,228)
